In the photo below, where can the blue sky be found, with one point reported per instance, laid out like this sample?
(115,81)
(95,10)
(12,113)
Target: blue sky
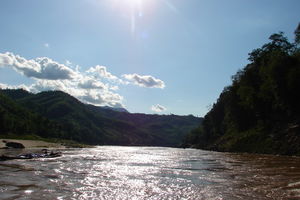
(151,56)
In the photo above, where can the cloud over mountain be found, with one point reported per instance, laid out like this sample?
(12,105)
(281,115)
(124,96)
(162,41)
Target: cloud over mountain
(95,86)
(84,88)
(102,72)
(158,108)
(87,82)
(39,68)
(51,75)
(144,81)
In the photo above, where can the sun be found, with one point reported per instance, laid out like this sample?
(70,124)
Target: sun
(133,11)
(136,4)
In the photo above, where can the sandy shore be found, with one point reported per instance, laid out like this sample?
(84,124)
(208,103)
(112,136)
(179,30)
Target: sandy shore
(33,143)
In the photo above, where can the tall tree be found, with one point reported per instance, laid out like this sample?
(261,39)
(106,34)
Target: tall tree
(297,35)
(260,111)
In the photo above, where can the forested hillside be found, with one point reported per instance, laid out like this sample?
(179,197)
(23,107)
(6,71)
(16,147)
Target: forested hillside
(14,118)
(55,114)
(260,111)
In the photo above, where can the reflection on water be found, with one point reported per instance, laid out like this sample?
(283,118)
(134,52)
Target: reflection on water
(112,172)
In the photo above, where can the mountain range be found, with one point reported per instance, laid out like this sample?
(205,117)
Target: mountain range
(55,114)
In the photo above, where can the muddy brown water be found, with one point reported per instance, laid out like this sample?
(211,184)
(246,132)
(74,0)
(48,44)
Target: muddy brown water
(114,172)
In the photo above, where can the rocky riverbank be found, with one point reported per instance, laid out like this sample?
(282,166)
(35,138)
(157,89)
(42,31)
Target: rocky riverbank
(32,143)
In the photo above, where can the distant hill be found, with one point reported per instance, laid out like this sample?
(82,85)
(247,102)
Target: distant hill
(97,125)
(169,130)
(115,109)
(260,111)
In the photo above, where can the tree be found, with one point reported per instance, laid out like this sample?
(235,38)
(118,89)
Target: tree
(297,34)
(255,113)
(278,41)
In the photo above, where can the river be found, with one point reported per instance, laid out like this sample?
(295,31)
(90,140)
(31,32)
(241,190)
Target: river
(113,172)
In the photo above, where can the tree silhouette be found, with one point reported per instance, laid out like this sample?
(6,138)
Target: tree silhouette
(297,35)
(260,111)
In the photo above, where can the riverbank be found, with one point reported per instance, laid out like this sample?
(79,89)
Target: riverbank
(44,143)
(33,143)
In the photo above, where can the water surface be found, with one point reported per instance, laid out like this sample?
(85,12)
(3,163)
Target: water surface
(112,172)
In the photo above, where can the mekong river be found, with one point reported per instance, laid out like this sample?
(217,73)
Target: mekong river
(113,172)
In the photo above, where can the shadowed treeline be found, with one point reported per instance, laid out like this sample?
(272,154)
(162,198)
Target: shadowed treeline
(260,111)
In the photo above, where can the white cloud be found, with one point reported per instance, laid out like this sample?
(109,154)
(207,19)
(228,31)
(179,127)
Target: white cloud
(52,70)
(86,86)
(144,81)
(102,72)
(77,68)
(158,108)
(68,63)
(40,68)
(115,87)
(91,83)
(104,97)
(101,96)
(45,85)
(46,45)
(51,75)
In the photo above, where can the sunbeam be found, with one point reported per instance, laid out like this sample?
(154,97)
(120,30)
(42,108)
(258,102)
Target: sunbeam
(134,8)
(170,6)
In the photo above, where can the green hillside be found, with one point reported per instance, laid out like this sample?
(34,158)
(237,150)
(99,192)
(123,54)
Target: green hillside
(17,120)
(96,125)
(260,111)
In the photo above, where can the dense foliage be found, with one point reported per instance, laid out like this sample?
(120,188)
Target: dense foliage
(14,118)
(260,111)
(55,114)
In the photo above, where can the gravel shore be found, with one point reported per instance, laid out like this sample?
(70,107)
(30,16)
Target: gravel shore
(33,143)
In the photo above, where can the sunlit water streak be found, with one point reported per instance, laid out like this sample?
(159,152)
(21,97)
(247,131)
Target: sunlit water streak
(112,172)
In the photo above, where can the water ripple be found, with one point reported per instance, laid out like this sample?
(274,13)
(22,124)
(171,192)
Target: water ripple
(112,172)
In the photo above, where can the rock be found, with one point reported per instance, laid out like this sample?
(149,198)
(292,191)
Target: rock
(45,154)
(15,145)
